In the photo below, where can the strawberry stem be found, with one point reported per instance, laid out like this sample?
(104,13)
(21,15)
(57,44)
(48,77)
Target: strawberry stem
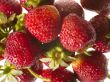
(37,76)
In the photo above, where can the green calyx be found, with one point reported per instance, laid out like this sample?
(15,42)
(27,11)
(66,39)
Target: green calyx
(3,18)
(8,72)
(32,3)
(57,57)
(20,22)
(108,36)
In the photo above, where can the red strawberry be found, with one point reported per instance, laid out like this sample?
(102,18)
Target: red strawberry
(19,50)
(43,23)
(101,25)
(68,6)
(76,33)
(90,68)
(96,5)
(26,77)
(59,75)
(101,46)
(10,7)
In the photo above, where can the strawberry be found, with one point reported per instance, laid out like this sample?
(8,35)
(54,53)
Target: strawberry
(101,24)
(43,23)
(90,68)
(9,7)
(92,5)
(19,50)
(68,6)
(101,46)
(26,77)
(76,33)
(59,75)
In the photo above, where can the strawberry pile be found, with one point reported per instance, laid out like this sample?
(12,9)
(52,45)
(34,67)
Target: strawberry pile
(54,34)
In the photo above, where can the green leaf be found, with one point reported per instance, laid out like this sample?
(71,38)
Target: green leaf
(12,17)
(11,78)
(3,78)
(52,64)
(3,18)
(45,59)
(20,22)
(16,72)
(1,73)
(64,64)
(108,36)
(33,3)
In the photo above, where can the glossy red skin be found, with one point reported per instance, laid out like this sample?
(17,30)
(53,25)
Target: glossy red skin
(43,23)
(19,50)
(10,7)
(76,33)
(59,75)
(66,7)
(101,46)
(101,24)
(96,5)
(90,68)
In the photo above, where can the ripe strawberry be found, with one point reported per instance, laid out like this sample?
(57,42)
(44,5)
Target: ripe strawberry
(68,6)
(76,33)
(101,25)
(43,23)
(101,46)
(92,5)
(9,7)
(59,75)
(26,77)
(19,50)
(90,68)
